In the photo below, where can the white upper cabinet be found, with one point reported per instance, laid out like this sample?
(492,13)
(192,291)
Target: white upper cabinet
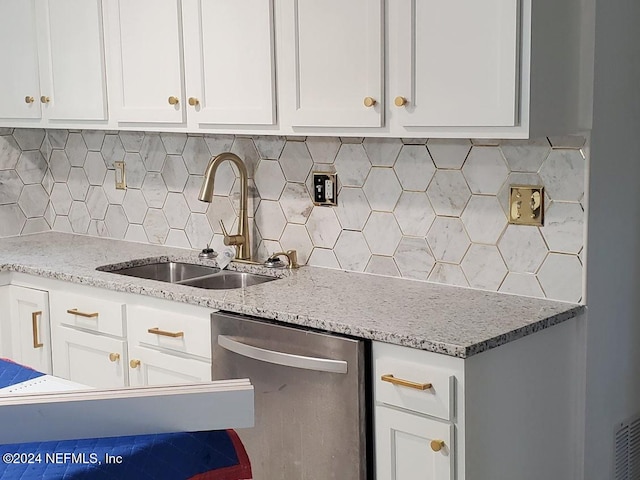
(332,64)
(56,62)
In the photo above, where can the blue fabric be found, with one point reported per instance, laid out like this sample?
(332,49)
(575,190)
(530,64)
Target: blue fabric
(12,373)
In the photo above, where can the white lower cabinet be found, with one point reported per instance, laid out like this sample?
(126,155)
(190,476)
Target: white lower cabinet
(154,367)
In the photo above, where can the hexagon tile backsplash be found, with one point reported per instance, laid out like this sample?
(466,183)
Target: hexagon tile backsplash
(423,209)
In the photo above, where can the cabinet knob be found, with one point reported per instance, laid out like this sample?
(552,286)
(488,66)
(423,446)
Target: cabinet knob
(29,99)
(436,445)
(173,100)
(44,99)
(369,101)
(114,357)
(400,101)
(134,363)
(193,101)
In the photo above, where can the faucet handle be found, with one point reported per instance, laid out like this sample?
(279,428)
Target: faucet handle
(224,230)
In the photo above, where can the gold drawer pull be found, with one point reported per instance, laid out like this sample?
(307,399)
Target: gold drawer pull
(34,327)
(157,331)
(134,363)
(400,101)
(405,383)
(437,445)
(74,311)
(114,357)
(173,100)
(29,99)
(369,102)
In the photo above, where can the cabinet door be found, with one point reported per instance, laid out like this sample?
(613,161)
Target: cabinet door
(229,61)
(145,38)
(88,358)
(30,338)
(19,83)
(72,59)
(456,62)
(404,450)
(153,367)
(333,60)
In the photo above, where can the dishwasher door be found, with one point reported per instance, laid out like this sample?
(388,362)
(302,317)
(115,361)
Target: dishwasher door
(309,390)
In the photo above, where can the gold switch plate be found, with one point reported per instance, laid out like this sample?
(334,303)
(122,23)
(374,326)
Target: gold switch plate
(526,205)
(121,181)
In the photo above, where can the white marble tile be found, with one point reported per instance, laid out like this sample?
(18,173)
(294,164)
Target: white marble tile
(153,152)
(59,165)
(269,179)
(135,206)
(382,233)
(47,181)
(49,214)
(516,178)
(173,142)
(196,155)
(114,196)
(269,146)
(31,166)
(561,277)
(353,209)
(61,224)
(414,213)
(176,210)
(35,225)
(296,203)
(97,203)
(413,258)
(323,257)
(92,139)
(219,143)
(352,165)
(129,141)
(522,284)
(525,155)
(448,152)
(253,197)
(76,149)
(414,167)
(58,138)
(46,149)
(246,150)
(569,141)
(94,168)
(10,186)
(177,238)
(136,233)
(323,149)
(352,251)
(381,265)
(270,220)
(485,170)
(564,227)
(191,192)
(413,141)
(61,198)
(97,228)
(174,173)
(382,152)
(296,237)
(266,248)
(33,200)
(522,248)
(220,209)
(382,189)
(9,152)
(135,170)
(112,150)
(198,231)
(79,217)
(323,227)
(116,221)
(448,239)
(448,192)
(154,190)
(448,274)
(484,219)
(29,138)
(296,161)
(483,266)
(563,174)
(155,226)
(78,184)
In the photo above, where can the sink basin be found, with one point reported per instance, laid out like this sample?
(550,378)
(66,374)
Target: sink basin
(199,276)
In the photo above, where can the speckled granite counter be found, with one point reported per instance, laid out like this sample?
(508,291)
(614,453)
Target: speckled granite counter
(451,320)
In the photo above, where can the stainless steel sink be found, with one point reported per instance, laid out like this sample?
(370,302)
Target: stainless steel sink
(192,275)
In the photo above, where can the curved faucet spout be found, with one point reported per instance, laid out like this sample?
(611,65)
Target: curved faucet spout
(241,239)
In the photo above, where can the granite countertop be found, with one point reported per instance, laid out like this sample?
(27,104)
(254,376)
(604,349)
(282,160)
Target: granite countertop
(454,321)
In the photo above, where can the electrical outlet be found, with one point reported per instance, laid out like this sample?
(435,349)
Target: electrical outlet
(526,205)
(325,188)
(121,181)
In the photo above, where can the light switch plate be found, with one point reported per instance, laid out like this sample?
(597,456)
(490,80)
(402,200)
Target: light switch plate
(121,181)
(526,205)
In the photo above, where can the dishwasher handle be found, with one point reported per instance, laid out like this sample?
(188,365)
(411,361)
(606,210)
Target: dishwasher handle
(281,358)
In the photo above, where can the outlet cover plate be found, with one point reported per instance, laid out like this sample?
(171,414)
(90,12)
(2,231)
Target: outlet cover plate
(526,205)
(325,189)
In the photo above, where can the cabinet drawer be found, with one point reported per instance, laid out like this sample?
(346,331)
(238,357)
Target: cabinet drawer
(153,367)
(87,312)
(170,330)
(406,382)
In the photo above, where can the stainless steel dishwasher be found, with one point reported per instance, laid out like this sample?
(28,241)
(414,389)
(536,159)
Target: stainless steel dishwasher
(310,397)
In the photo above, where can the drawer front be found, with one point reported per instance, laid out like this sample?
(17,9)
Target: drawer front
(170,330)
(149,367)
(87,312)
(406,383)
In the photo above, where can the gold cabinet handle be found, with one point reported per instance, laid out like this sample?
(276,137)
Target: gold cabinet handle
(173,100)
(437,445)
(74,311)
(369,102)
(400,101)
(157,331)
(134,363)
(114,357)
(29,99)
(44,99)
(194,102)
(34,328)
(405,383)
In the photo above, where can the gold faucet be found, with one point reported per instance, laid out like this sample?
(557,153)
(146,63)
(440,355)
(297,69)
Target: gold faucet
(292,257)
(241,239)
